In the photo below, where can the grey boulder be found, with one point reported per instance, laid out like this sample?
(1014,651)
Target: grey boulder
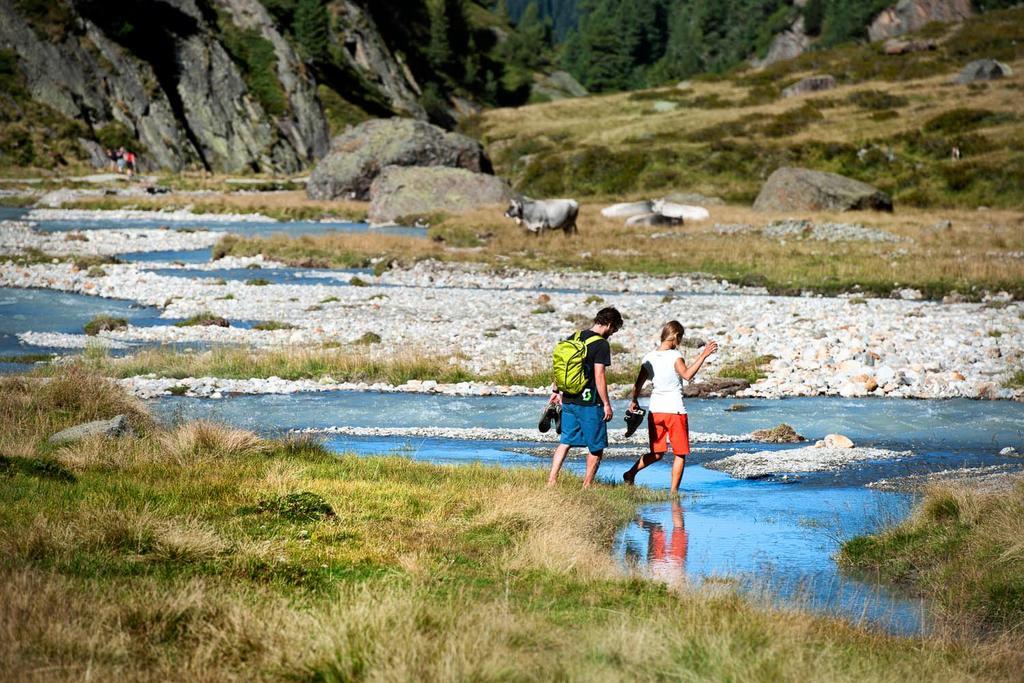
(801,189)
(810,84)
(106,428)
(357,156)
(983,70)
(410,192)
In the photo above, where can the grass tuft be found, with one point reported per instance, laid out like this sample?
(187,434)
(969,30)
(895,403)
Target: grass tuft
(104,323)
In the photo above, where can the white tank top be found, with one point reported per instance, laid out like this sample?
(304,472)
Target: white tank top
(667,395)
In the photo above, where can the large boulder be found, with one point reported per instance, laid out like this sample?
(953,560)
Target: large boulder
(810,84)
(800,189)
(357,156)
(983,70)
(558,85)
(106,428)
(414,191)
(907,16)
(788,44)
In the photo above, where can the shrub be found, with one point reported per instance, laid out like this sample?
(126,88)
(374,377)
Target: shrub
(16,145)
(368,338)
(258,282)
(36,467)
(204,318)
(876,100)
(104,323)
(958,120)
(96,271)
(792,121)
(115,134)
(87,262)
(297,507)
(269,325)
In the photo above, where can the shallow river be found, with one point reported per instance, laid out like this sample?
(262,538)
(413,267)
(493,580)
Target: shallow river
(773,537)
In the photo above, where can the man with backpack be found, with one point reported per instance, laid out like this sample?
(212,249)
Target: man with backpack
(581,387)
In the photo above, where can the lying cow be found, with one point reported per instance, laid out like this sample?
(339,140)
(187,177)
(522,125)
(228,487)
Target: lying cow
(544,214)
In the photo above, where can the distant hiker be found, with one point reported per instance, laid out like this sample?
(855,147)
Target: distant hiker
(129,162)
(121,161)
(112,156)
(955,153)
(666,416)
(582,388)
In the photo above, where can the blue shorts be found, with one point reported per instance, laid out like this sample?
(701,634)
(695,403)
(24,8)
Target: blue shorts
(584,426)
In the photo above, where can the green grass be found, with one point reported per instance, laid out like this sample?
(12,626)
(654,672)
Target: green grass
(353,363)
(269,325)
(204,318)
(751,369)
(961,548)
(276,560)
(1015,381)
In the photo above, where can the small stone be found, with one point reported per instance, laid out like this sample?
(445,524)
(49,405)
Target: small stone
(1009,451)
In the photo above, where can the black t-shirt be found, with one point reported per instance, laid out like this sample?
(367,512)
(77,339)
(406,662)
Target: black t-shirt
(599,351)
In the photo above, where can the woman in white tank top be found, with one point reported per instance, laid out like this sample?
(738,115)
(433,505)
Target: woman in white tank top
(666,415)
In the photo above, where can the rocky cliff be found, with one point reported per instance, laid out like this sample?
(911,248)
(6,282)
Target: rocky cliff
(161,70)
(214,84)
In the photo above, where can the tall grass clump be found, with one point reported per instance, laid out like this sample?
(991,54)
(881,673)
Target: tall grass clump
(199,441)
(32,409)
(963,548)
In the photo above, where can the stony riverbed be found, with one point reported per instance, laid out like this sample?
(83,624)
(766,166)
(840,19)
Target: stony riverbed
(490,319)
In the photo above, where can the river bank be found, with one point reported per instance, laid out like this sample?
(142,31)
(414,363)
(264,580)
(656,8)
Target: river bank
(265,559)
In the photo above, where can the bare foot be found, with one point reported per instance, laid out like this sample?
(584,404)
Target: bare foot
(628,478)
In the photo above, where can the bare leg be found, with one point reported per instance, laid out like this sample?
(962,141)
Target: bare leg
(593,462)
(677,471)
(556,463)
(643,461)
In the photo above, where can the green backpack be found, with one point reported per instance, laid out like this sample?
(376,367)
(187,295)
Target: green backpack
(567,362)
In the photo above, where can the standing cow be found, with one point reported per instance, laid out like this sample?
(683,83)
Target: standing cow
(545,214)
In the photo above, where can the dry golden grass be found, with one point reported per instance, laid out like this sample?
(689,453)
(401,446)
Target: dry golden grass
(979,250)
(200,441)
(291,204)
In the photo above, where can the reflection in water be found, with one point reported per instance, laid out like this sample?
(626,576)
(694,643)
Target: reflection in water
(664,558)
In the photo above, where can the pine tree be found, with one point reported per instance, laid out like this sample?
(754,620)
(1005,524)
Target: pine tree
(439,51)
(312,27)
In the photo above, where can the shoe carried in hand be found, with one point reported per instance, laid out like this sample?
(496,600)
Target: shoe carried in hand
(633,420)
(552,413)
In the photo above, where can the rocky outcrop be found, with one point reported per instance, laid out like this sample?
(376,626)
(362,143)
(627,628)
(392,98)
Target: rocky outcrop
(911,15)
(367,53)
(170,81)
(810,84)
(558,85)
(357,156)
(983,70)
(801,189)
(791,43)
(105,428)
(408,192)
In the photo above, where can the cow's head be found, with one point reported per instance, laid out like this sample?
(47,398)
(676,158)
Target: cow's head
(515,210)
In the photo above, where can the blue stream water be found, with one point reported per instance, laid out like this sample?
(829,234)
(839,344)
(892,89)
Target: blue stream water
(247,228)
(767,537)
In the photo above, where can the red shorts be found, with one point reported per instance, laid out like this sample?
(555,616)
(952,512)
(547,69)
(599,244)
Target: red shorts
(670,426)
